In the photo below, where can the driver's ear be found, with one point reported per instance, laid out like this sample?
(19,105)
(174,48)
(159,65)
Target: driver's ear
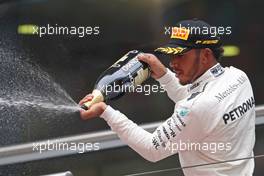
(206,54)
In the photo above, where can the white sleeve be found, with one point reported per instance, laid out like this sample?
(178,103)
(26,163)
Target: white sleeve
(171,84)
(153,146)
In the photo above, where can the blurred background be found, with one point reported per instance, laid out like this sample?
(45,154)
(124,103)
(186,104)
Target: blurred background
(75,63)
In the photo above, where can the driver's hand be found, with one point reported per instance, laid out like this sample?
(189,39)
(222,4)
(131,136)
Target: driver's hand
(157,68)
(95,110)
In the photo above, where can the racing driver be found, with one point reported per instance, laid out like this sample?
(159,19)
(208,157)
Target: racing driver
(213,105)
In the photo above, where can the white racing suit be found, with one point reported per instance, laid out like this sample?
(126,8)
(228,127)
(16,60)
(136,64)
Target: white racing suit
(213,120)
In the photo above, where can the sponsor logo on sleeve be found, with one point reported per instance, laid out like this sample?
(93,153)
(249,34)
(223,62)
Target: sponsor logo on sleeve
(165,132)
(172,132)
(155,143)
(182,112)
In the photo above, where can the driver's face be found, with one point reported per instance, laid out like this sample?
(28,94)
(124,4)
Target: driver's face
(186,66)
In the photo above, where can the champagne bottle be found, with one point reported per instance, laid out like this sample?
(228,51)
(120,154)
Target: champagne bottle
(119,78)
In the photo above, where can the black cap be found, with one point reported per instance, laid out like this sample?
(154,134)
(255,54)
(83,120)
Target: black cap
(190,34)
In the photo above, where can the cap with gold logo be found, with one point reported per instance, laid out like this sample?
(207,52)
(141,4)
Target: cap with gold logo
(190,34)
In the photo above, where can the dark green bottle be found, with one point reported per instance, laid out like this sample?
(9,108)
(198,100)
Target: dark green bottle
(120,78)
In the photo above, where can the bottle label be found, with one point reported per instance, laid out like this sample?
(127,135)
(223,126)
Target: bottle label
(122,76)
(142,75)
(130,64)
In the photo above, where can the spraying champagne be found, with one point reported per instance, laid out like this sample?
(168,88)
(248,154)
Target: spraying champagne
(123,75)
